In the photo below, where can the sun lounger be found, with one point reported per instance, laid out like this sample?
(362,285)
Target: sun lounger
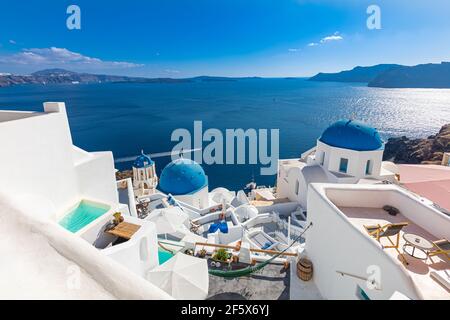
(387,231)
(440,247)
(222,226)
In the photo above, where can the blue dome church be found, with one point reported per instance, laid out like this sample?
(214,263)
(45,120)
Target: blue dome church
(350,148)
(145,179)
(348,151)
(352,135)
(186,180)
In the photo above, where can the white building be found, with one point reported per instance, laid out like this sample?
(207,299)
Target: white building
(45,181)
(351,264)
(40,161)
(347,152)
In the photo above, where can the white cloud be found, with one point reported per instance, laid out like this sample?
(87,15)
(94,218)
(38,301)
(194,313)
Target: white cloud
(334,37)
(12,42)
(61,57)
(294,49)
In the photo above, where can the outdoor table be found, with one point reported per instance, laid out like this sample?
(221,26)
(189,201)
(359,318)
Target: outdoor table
(124,230)
(416,244)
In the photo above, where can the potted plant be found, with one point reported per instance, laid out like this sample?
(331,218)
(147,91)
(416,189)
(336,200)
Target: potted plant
(202,253)
(222,255)
(117,218)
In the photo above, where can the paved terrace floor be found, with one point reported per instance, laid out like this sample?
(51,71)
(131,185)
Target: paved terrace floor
(271,283)
(418,269)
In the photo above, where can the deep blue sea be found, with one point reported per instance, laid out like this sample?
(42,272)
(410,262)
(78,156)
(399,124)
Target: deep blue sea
(126,118)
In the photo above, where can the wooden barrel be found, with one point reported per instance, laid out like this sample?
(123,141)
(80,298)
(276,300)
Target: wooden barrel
(304,269)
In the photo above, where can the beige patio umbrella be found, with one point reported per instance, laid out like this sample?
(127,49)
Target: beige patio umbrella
(167,220)
(183,277)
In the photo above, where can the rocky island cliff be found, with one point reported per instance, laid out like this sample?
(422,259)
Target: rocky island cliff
(419,151)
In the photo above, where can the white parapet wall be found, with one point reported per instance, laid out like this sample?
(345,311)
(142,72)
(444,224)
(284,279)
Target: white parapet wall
(416,209)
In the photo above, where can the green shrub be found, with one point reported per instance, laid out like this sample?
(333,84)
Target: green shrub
(221,255)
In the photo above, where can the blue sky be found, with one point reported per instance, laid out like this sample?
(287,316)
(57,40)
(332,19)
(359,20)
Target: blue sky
(182,38)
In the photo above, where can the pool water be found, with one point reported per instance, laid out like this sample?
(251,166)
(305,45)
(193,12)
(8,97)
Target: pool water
(163,255)
(82,215)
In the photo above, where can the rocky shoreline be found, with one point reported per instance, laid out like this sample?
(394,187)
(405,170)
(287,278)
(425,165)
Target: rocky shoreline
(418,151)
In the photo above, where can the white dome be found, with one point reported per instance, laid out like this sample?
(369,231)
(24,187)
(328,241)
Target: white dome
(246,211)
(218,195)
(221,190)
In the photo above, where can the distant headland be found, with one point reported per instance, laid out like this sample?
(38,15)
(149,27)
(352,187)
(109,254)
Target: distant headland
(62,76)
(394,76)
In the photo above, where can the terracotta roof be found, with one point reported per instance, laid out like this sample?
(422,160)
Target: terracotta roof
(429,181)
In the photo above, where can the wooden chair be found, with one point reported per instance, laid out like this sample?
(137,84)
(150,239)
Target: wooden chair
(387,231)
(440,247)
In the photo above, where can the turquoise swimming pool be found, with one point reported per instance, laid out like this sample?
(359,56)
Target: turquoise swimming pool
(83,214)
(163,255)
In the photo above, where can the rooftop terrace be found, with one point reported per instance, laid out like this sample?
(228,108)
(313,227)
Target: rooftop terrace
(6,115)
(419,270)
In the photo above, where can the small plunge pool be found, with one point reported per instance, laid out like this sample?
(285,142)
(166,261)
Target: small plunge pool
(163,256)
(83,214)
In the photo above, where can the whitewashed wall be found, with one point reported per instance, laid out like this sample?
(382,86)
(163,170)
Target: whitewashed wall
(356,160)
(199,199)
(37,159)
(96,177)
(140,253)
